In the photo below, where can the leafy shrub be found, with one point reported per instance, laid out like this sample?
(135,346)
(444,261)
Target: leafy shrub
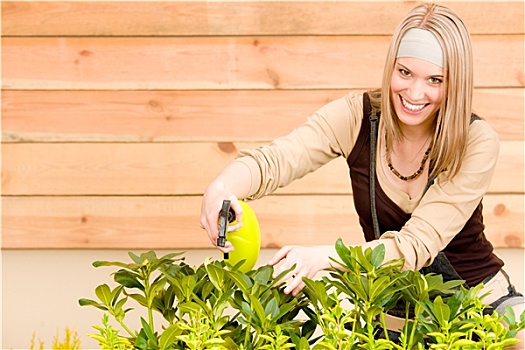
(215,306)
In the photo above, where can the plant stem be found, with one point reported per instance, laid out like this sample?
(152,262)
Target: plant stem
(127,329)
(369,325)
(417,310)
(247,334)
(147,293)
(383,323)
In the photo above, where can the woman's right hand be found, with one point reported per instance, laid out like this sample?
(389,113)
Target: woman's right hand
(212,200)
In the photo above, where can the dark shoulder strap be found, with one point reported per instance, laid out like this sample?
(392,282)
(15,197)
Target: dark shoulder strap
(474,117)
(367,107)
(374,121)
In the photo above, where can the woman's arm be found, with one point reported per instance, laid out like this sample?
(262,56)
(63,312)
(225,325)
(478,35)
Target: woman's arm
(327,134)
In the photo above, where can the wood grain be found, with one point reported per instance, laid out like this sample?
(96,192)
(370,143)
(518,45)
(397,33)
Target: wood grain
(173,169)
(224,63)
(167,18)
(153,116)
(173,222)
(117,114)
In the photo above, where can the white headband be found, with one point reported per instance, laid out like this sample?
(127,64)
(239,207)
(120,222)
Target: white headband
(422,44)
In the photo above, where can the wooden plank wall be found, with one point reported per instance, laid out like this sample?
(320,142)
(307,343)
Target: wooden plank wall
(116,115)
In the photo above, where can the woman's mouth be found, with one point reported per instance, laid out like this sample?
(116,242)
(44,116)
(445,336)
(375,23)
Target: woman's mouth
(412,107)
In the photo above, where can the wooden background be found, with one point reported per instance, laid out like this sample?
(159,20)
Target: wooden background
(116,115)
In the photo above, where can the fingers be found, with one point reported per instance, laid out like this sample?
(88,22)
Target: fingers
(283,262)
(210,211)
(280,255)
(228,247)
(236,206)
(294,284)
(298,262)
(213,232)
(208,222)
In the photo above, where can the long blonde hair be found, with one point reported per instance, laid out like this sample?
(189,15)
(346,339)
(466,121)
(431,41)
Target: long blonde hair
(452,121)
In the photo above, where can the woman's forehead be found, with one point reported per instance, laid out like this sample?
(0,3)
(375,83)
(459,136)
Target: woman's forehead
(420,66)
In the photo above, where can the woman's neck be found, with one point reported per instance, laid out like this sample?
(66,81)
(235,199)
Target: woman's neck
(415,134)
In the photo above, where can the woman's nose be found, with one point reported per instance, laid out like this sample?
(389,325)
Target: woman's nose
(415,90)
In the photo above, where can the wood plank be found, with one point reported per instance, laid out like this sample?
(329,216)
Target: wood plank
(135,116)
(174,169)
(166,18)
(224,63)
(135,169)
(152,116)
(173,222)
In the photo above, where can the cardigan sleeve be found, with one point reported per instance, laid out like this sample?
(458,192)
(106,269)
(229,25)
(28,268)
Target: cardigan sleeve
(327,134)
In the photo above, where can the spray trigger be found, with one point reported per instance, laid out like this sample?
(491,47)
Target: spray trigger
(226,215)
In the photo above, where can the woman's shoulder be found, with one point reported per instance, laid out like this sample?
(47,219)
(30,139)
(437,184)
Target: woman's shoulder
(481,129)
(352,100)
(482,139)
(345,106)
(340,120)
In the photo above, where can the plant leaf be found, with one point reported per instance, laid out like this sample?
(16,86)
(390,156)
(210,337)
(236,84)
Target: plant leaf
(272,308)
(89,302)
(378,255)
(104,294)
(345,254)
(256,306)
(441,310)
(128,279)
(216,275)
(147,329)
(116,263)
(241,280)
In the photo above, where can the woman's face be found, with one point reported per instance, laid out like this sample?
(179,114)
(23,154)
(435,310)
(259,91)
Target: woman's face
(417,88)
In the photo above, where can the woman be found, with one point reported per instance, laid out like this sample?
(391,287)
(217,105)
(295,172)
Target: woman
(420,163)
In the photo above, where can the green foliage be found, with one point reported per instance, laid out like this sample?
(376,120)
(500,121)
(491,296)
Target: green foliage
(108,337)
(215,306)
(71,341)
(211,306)
(447,315)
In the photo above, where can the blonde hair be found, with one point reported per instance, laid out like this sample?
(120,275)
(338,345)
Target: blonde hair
(452,121)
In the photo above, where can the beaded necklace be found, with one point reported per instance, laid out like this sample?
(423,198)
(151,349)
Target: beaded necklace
(414,175)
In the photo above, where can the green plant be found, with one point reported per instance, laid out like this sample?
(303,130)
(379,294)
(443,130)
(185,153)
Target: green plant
(216,306)
(461,324)
(71,341)
(108,337)
(194,302)
(445,315)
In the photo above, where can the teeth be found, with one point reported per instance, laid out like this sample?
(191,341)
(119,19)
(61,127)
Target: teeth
(411,107)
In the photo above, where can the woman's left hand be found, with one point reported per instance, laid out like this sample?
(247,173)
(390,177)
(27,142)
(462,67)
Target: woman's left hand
(308,261)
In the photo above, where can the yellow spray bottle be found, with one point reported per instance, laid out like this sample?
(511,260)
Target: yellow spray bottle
(246,240)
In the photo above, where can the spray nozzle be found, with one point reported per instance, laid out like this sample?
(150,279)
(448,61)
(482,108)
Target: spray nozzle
(226,215)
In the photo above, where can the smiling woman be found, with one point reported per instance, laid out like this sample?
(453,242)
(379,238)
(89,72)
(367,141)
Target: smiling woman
(420,122)
(117,114)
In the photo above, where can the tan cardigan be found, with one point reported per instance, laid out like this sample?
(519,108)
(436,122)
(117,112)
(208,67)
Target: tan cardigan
(332,131)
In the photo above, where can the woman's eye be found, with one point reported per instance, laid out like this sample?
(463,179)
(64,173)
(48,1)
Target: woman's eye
(435,80)
(404,72)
